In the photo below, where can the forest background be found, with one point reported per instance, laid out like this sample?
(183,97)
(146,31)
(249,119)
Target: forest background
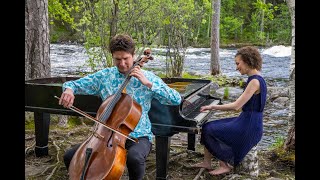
(260,22)
(175,25)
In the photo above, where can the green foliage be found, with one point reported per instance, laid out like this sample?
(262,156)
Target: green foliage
(241,83)
(279,141)
(230,27)
(190,76)
(281,25)
(73,121)
(59,34)
(221,80)
(261,14)
(29,124)
(240,21)
(281,155)
(161,75)
(62,11)
(59,11)
(265,8)
(62,15)
(226,93)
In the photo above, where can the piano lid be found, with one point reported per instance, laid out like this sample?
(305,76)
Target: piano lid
(39,97)
(40,92)
(186,87)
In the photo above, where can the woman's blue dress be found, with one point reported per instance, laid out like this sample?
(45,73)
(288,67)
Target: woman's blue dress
(230,139)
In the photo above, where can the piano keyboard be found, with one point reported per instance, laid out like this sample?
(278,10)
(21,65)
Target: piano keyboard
(202,115)
(196,111)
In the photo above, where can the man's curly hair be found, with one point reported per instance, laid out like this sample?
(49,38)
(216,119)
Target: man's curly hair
(122,42)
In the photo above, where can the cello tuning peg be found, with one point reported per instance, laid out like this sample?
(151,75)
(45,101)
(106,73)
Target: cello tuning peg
(147,52)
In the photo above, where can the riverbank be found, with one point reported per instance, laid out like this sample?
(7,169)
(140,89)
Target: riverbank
(52,167)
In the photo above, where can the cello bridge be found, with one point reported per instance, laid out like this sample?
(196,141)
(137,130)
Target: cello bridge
(97,135)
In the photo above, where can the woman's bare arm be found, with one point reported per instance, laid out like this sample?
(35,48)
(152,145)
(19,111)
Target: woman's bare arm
(252,88)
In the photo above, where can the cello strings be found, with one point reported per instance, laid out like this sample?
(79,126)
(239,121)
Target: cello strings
(93,119)
(107,112)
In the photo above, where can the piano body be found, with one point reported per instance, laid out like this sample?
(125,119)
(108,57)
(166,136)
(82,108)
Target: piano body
(166,120)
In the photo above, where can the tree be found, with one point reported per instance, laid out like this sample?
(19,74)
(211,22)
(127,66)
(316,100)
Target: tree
(176,23)
(215,61)
(114,19)
(290,141)
(37,45)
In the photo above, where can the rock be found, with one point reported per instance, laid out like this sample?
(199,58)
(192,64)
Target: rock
(250,163)
(284,101)
(275,92)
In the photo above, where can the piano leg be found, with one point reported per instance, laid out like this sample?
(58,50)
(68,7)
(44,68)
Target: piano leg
(41,122)
(162,156)
(191,141)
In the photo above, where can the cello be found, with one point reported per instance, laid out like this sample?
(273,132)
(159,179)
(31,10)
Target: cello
(103,154)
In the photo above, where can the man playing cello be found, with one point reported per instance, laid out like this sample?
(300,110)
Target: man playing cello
(143,87)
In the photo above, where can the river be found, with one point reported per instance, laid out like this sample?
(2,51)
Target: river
(68,59)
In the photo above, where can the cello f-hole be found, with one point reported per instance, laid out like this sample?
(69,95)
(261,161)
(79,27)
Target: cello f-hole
(109,142)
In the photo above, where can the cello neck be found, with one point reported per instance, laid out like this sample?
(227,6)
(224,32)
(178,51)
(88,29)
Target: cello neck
(106,114)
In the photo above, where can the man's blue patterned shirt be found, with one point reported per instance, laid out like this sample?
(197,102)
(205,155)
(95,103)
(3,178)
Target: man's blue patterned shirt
(106,82)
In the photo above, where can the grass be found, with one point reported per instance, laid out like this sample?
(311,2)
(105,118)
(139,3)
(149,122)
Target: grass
(280,155)
(226,93)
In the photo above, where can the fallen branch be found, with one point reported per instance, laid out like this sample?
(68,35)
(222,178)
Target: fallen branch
(178,145)
(46,169)
(179,168)
(57,148)
(28,138)
(52,172)
(82,122)
(199,174)
(183,155)
(28,148)
(177,153)
(195,153)
(57,163)
(150,173)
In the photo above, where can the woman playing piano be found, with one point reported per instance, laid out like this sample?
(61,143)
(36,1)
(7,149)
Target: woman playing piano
(230,139)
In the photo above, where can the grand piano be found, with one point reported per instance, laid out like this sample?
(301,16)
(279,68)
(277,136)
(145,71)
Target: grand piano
(166,120)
